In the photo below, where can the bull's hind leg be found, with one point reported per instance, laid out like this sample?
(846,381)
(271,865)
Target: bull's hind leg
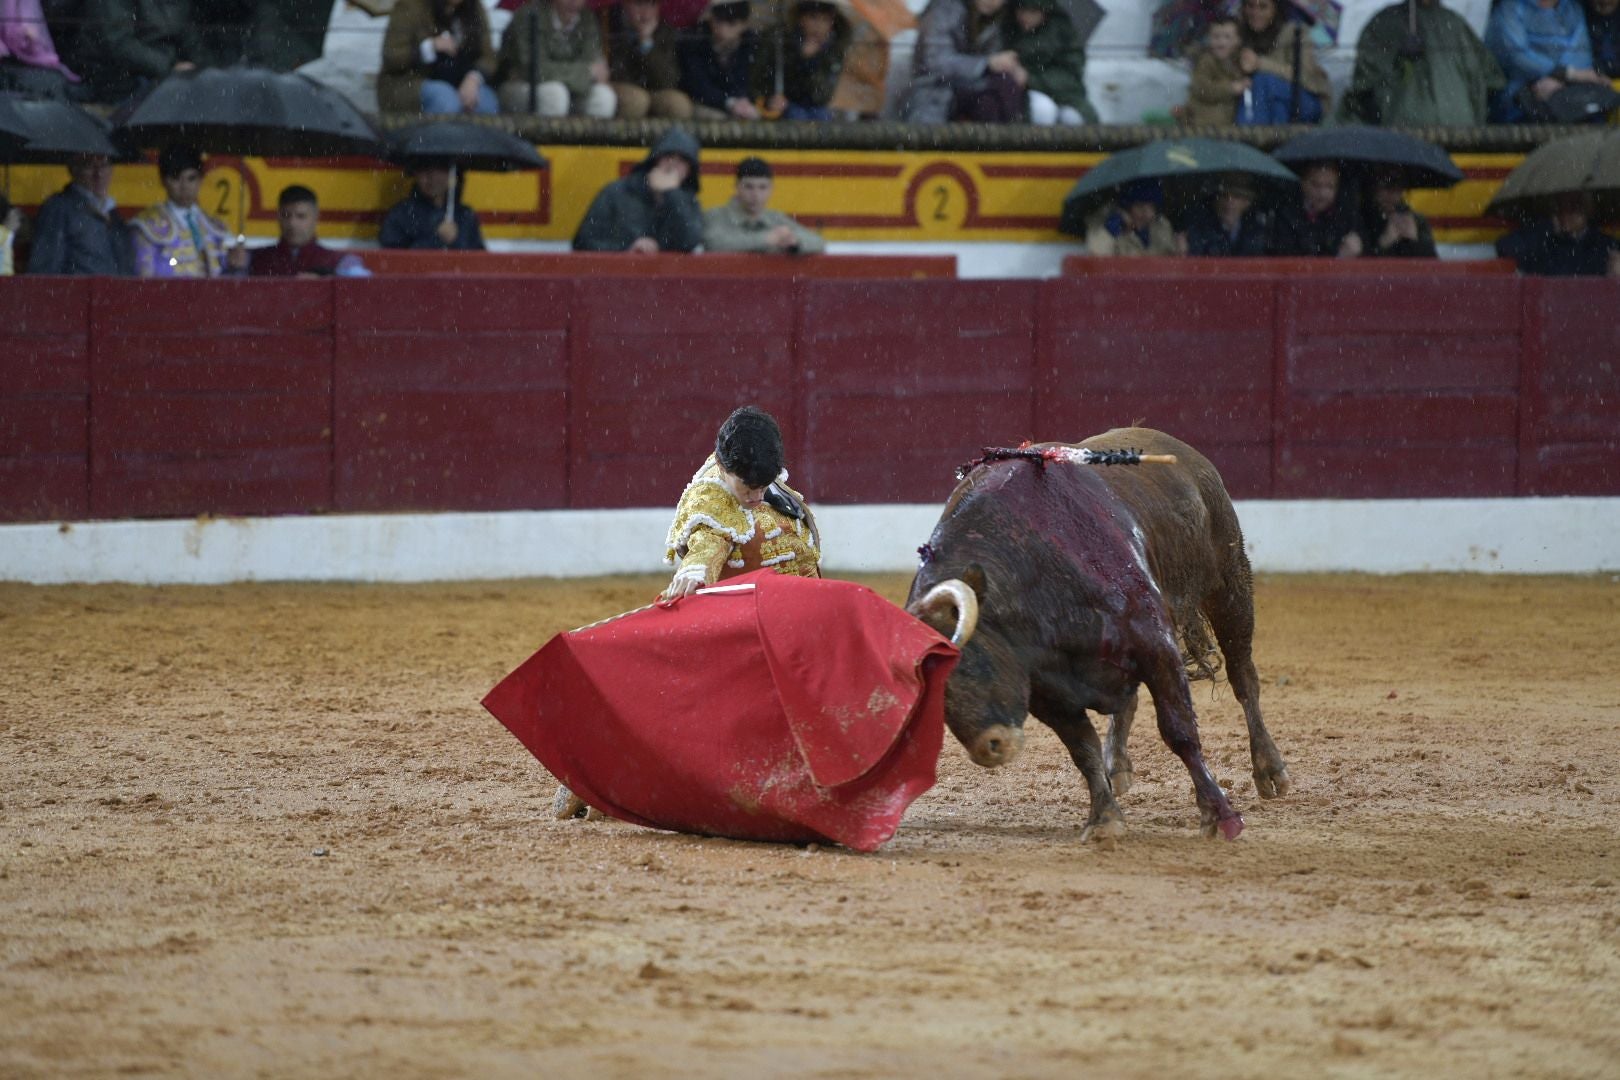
(1106,821)
(1117,762)
(1231,614)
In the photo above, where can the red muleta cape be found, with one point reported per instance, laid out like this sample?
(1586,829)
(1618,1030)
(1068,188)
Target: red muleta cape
(771,707)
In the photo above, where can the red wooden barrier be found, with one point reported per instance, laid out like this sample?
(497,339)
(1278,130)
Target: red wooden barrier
(583,264)
(211,397)
(1189,356)
(1397,388)
(451,394)
(655,364)
(44,398)
(1570,416)
(1281,266)
(902,382)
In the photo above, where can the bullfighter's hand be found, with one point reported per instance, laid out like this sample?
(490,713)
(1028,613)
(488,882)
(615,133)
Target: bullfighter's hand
(237,258)
(681,585)
(643,245)
(447,233)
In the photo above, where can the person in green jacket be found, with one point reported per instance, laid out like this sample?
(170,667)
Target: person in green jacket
(558,43)
(1049,49)
(1419,66)
(127,45)
(747,223)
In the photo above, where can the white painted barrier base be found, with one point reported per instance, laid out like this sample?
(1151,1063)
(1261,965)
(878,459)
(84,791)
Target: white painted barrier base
(1383,536)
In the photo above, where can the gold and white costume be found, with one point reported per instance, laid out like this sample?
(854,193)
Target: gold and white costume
(714,536)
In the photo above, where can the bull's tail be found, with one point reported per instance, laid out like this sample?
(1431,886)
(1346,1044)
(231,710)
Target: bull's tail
(1199,651)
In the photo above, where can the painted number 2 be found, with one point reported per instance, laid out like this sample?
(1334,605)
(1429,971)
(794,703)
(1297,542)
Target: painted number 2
(942,198)
(223,208)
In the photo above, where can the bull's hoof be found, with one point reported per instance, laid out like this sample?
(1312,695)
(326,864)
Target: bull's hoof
(565,805)
(1104,832)
(1272,780)
(1211,825)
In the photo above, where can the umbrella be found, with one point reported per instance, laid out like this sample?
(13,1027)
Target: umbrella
(1085,15)
(249,111)
(1165,159)
(471,147)
(1588,162)
(45,132)
(1419,163)
(739,712)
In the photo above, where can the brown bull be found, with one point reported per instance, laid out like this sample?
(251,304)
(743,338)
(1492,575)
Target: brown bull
(1091,581)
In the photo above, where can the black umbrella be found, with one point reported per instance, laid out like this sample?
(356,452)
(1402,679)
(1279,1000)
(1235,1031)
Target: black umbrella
(472,147)
(1417,163)
(44,132)
(249,111)
(1198,160)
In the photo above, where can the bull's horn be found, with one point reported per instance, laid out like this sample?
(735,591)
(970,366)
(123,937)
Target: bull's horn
(957,594)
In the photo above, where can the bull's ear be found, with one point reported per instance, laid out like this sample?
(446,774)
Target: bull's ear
(973,576)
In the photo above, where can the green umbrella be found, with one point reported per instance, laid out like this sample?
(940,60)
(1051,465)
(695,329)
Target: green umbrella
(1588,162)
(1168,160)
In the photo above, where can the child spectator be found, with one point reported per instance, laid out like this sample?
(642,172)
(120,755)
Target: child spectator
(176,238)
(1134,225)
(643,70)
(961,68)
(29,63)
(653,209)
(420,220)
(1049,49)
(437,57)
(805,57)
(1229,224)
(746,222)
(572,72)
(1268,45)
(717,63)
(126,45)
(1218,83)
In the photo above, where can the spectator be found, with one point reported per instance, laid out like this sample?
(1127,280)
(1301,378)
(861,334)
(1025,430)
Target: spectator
(1389,226)
(655,208)
(78,231)
(746,224)
(961,68)
(1218,84)
(437,57)
(717,63)
(1543,49)
(1134,225)
(1564,245)
(1440,75)
(421,220)
(298,253)
(224,26)
(643,70)
(126,45)
(805,58)
(1320,220)
(569,64)
(1229,223)
(1603,33)
(11,221)
(29,63)
(1049,49)
(176,238)
(1269,46)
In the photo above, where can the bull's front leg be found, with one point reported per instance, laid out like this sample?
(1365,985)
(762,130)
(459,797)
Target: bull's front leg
(1073,726)
(1166,680)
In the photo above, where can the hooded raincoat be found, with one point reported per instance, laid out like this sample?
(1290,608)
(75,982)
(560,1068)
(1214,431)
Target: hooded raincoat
(627,209)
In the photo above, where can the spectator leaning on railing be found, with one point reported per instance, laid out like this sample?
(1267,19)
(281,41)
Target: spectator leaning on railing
(437,57)
(421,220)
(176,238)
(653,209)
(643,70)
(1564,244)
(78,230)
(746,222)
(1318,219)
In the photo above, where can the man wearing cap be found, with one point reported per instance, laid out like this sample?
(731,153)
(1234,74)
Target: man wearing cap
(745,223)
(717,65)
(176,238)
(1133,225)
(654,208)
(78,230)
(1228,224)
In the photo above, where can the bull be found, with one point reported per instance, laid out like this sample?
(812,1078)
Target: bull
(1090,581)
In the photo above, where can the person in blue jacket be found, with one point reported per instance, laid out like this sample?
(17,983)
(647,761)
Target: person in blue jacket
(1543,47)
(419,220)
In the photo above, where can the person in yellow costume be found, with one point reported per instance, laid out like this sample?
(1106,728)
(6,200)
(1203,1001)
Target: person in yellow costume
(737,515)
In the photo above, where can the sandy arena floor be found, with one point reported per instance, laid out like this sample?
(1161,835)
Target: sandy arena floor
(267,831)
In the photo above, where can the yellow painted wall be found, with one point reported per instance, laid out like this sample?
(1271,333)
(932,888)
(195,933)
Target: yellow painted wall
(849,195)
